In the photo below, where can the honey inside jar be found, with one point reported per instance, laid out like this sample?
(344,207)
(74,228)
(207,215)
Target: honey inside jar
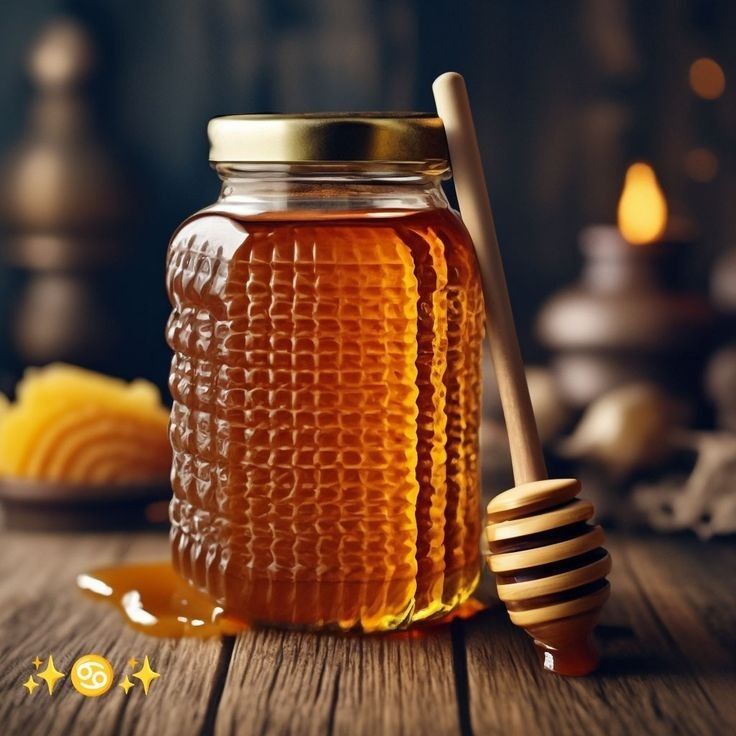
(326,381)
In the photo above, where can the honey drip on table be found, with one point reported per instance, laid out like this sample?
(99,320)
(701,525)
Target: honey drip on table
(157,601)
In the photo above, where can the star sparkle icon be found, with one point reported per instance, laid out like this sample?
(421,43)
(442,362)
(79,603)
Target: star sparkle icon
(37,662)
(146,675)
(126,684)
(132,663)
(50,675)
(30,684)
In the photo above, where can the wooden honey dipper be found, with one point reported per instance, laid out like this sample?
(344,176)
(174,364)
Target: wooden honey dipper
(549,564)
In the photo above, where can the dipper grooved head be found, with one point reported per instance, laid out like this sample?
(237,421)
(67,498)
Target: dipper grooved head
(550,569)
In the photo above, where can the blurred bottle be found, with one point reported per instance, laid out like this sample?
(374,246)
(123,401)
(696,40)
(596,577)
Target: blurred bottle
(66,212)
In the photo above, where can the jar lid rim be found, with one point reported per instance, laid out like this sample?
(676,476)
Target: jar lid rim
(395,137)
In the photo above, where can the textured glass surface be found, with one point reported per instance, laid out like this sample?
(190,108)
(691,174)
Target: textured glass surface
(326,382)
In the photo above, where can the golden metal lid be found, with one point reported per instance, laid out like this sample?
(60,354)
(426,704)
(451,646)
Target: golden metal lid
(329,137)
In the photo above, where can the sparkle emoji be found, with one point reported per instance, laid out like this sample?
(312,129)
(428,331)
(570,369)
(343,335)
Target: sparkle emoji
(146,675)
(50,675)
(126,684)
(30,684)
(37,662)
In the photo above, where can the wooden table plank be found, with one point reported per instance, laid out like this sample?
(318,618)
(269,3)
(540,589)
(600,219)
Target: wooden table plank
(301,683)
(42,614)
(695,607)
(662,673)
(669,641)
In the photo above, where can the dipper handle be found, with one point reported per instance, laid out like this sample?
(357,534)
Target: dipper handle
(453,107)
(549,564)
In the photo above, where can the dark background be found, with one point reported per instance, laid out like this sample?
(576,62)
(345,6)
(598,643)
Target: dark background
(566,95)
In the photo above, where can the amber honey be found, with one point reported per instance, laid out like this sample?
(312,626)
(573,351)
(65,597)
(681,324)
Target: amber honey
(325,418)
(326,327)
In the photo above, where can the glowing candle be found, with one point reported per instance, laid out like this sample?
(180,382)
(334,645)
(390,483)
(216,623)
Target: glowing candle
(642,209)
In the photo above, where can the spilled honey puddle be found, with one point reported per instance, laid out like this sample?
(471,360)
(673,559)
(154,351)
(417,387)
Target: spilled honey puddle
(154,599)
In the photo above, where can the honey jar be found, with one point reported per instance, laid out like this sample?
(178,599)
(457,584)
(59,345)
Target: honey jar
(326,327)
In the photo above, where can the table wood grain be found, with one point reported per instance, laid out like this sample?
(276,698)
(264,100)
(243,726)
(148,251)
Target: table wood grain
(668,638)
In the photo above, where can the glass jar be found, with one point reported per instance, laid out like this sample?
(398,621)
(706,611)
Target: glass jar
(327,324)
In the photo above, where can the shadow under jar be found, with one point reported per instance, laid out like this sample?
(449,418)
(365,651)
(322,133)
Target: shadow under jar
(327,325)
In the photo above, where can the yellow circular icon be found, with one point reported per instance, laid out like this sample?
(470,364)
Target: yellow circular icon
(92,675)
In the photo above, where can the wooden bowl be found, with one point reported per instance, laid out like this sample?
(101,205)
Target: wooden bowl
(42,506)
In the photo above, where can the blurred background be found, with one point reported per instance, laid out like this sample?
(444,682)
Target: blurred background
(104,151)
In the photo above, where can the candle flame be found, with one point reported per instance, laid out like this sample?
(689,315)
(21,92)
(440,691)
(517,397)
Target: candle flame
(642,209)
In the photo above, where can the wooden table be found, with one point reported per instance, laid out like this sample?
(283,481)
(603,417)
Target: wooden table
(668,638)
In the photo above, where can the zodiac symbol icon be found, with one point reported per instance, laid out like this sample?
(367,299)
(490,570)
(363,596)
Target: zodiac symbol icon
(92,675)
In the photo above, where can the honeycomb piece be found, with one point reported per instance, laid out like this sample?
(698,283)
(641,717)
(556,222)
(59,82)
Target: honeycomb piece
(73,426)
